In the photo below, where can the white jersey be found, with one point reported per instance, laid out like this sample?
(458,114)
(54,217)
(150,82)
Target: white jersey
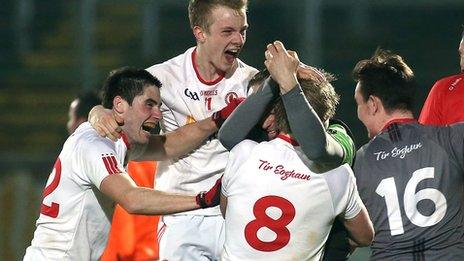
(277,208)
(187,98)
(72,224)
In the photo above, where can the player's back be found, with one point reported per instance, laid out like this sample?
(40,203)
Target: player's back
(277,209)
(72,225)
(410,177)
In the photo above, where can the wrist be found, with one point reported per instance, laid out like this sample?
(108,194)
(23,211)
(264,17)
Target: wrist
(288,84)
(200,200)
(217,119)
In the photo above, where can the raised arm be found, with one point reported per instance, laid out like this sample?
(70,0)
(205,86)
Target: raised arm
(176,143)
(317,144)
(328,149)
(237,127)
(166,146)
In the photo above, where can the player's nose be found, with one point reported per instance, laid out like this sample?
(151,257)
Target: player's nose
(156,113)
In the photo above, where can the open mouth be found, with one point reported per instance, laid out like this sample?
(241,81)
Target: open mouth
(232,54)
(149,126)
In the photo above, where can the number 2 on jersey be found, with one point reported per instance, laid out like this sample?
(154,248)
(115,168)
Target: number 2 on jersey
(387,189)
(276,225)
(52,211)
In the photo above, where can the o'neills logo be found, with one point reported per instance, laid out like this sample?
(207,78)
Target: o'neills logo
(280,170)
(209,93)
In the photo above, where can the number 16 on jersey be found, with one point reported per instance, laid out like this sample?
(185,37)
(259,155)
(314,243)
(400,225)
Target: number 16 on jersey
(388,190)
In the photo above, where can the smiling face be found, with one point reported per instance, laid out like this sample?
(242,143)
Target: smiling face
(142,116)
(220,44)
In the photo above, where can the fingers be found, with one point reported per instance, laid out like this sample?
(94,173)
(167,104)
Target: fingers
(275,47)
(106,123)
(279,46)
(112,133)
(118,118)
(268,55)
(308,72)
(293,54)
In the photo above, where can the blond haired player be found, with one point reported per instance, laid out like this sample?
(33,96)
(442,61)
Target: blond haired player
(197,83)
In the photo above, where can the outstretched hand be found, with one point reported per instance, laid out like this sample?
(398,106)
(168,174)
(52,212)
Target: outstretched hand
(105,122)
(282,65)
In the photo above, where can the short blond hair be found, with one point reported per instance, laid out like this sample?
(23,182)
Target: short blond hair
(320,94)
(200,10)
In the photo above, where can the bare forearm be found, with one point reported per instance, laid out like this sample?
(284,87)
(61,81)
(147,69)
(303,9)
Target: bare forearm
(179,142)
(152,202)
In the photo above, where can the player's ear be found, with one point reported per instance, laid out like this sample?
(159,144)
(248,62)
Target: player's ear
(199,34)
(373,104)
(119,105)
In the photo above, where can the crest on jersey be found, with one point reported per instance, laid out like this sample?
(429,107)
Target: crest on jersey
(230,96)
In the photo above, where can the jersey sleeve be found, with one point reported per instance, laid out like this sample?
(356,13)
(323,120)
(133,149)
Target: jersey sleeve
(345,196)
(308,129)
(247,115)
(237,156)
(432,110)
(96,160)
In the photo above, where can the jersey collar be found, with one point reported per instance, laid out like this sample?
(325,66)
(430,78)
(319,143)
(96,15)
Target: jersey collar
(288,139)
(398,121)
(195,67)
(126,140)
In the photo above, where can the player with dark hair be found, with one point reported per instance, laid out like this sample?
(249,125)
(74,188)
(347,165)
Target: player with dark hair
(273,185)
(72,224)
(409,176)
(445,102)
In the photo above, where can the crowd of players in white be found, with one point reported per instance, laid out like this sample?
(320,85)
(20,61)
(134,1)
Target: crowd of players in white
(276,203)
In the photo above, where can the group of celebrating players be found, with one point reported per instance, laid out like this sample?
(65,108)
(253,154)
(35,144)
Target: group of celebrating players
(281,169)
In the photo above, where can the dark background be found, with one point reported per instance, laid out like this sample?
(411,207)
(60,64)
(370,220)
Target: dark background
(50,50)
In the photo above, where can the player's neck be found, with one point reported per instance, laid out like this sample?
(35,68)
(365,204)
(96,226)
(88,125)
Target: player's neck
(398,115)
(204,68)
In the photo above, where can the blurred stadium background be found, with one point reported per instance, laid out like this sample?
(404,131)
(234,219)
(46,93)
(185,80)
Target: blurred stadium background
(50,50)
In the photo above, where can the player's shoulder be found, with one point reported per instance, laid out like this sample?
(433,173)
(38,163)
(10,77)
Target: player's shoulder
(244,147)
(448,83)
(171,67)
(341,173)
(340,178)
(87,141)
(246,70)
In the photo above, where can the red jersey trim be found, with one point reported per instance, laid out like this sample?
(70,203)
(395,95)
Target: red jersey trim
(288,139)
(398,120)
(111,164)
(213,82)
(126,140)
